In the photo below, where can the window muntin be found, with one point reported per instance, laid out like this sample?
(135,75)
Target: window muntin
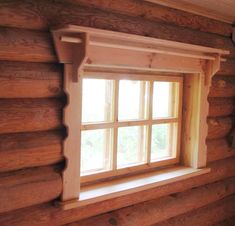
(132,140)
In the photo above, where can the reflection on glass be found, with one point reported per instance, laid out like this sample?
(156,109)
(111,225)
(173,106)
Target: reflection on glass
(95,150)
(97,97)
(162,144)
(132,100)
(131,145)
(164,97)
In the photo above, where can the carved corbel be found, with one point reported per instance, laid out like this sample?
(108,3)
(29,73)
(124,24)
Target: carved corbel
(211,68)
(72,49)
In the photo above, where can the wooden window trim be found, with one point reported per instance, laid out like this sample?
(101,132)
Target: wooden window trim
(88,49)
(97,193)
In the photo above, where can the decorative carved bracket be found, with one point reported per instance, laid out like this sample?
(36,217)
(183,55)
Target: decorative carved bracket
(72,49)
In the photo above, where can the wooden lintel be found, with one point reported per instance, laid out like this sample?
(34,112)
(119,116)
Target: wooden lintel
(115,49)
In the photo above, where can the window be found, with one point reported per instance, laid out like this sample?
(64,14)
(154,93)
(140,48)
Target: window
(132,122)
(134,104)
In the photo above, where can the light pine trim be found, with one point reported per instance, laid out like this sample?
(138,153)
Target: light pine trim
(132,76)
(195,127)
(198,64)
(174,52)
(70,39)
(173,121)
(124,186)
(179,109)
(106,125)
(115,129)
(150,115)
(127,170)
(142,114)
(94,32)
(71,146)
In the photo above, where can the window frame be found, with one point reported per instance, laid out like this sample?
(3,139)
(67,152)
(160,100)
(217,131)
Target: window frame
(142,167)
(83,48)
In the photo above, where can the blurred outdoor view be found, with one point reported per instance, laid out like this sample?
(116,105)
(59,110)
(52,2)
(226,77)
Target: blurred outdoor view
(97,97)
(131,145)
(97,107)
(132,100)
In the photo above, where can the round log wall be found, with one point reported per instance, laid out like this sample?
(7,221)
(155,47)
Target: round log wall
(31,130)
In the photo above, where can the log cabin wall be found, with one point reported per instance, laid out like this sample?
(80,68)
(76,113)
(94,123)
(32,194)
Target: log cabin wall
(31,130)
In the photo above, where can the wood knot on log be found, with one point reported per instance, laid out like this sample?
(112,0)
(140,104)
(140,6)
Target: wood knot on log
(113,221)
(221,83)
(213,122)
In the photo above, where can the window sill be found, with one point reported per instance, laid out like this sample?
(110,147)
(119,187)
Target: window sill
(124,186)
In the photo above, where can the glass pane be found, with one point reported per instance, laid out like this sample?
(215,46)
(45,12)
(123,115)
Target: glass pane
(163,141)
(165,95)
(131,145)
(95,150)
(97,98)
(132,100)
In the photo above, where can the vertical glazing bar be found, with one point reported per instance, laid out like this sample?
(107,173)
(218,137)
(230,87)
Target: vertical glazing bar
(109,92)
(142,115)
(115,129)
(179,115)
(150,113)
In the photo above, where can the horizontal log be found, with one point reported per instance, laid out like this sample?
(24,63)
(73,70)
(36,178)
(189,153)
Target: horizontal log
(219,149)
(221,106)
(28,187)
(21,150)
(30,80)
(55,14)
(25,45)
(25,150)
(205,216)
(33,80)
(154,211)
(47,214)
(159,13)
(222,86)
(227,68)
(26,115)
(219,127)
